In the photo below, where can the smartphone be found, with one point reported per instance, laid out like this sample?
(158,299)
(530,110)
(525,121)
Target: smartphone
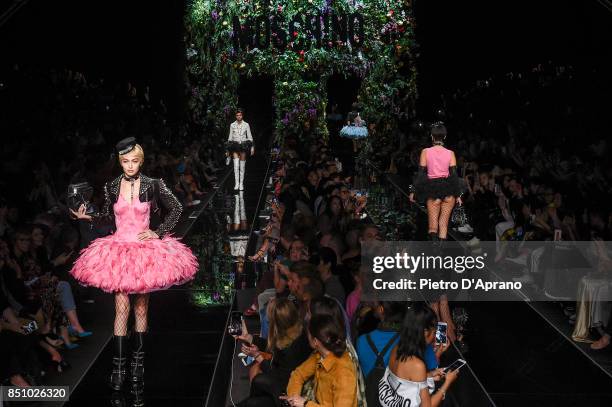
(247,360)
(235,324)
(284,403)
(441,338)
(457,364)
(29,327)
(557,236)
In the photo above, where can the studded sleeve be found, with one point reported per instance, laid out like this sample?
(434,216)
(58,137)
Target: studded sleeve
(174,207)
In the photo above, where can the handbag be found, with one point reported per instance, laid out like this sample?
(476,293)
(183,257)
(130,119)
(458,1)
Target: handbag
(80,194)
(459,216)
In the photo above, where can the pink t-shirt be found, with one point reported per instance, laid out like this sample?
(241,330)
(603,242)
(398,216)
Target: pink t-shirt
(438,162)
(352,302)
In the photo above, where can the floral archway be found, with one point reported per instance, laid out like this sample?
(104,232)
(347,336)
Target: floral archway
(300,43)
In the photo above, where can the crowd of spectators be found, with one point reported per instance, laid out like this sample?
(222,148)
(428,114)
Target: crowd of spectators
(59,128)
(533,157)
(315,332)
(530,169)
(532,151)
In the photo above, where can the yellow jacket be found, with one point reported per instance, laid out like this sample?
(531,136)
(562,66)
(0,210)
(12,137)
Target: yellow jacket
(335,380)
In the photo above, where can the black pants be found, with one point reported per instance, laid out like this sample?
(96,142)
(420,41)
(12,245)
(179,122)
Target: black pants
(265,392)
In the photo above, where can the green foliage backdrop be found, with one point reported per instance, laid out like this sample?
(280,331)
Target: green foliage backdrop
(384,61)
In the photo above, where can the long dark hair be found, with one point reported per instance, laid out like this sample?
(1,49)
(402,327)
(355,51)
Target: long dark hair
(412,338)
(328,332)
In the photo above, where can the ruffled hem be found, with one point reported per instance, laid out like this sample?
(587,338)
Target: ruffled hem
(438,188)
(131,267)
(234,146)
(354,132)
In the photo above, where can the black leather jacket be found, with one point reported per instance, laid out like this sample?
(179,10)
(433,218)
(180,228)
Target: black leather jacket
(151,190)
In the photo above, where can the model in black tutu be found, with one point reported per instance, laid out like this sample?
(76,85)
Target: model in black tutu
(239,144)
(437,183)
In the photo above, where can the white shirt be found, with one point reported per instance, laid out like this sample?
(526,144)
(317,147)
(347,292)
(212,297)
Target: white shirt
(240,132)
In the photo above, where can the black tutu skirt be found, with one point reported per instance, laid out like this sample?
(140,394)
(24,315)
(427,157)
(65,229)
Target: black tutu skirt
(236,147)
(438,188)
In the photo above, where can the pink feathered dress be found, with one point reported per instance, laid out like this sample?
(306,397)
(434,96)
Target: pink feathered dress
(122,263)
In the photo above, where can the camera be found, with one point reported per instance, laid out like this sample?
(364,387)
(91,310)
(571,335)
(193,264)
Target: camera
(80,194)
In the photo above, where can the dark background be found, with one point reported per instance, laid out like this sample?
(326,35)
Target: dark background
(458,41)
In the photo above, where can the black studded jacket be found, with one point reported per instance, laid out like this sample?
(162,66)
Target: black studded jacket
(152,190)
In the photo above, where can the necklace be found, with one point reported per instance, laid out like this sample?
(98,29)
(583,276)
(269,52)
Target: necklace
(132,181)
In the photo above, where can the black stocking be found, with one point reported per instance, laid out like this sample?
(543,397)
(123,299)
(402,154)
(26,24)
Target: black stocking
(122,313)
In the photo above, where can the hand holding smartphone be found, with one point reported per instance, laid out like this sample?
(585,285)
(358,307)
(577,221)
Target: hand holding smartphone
(246,360)
(235,324)
(441,337)
(456,365)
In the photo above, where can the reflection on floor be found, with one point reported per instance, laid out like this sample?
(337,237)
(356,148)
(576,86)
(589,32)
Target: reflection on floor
(181,349)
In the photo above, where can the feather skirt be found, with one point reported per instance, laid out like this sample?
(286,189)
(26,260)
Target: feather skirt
(135,267)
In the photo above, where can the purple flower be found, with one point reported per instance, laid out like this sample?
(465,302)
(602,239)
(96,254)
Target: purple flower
(312,112)
(214,15)
(216,296)
(285,121)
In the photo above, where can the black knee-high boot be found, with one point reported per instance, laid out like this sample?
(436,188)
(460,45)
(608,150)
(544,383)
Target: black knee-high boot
(137,365)
(119,363)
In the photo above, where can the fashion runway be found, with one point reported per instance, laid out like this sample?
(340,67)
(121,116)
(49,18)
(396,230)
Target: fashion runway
(183,338)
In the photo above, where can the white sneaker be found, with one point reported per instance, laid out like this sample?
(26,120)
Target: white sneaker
(465,229)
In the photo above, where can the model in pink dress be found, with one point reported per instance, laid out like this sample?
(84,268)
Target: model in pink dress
(134,259)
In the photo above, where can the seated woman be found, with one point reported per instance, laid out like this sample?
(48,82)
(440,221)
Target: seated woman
(391,315)
(330,366)
(60,263)
(26,304)
(405,381)
(288,345)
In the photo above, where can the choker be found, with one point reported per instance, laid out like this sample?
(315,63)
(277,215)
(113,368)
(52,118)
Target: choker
(131,180)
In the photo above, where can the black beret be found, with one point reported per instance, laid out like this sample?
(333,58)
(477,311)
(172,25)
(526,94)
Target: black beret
(126,145)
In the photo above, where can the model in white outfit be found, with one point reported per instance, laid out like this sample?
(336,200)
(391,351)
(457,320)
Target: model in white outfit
(240,141)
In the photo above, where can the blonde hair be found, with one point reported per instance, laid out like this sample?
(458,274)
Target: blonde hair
(139,153)
(285,324)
